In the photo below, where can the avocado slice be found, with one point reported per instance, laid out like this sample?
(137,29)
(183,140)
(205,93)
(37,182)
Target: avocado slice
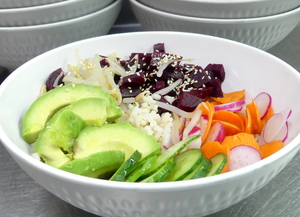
(56,140)
(98,165)
(117,136)
(92,110)
(46,105)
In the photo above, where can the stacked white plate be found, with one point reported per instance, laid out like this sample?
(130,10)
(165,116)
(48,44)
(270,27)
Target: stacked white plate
(259,23)
(31,27)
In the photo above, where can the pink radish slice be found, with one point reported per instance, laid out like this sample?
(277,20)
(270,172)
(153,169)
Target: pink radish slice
(216,133)
(283,133)
(263,102)
(230,106)
(196,143)
(203,123)
(274,125)
(243,155)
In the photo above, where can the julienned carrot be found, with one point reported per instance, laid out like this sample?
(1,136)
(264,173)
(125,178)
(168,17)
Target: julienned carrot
(270,148)
(210,149)
(208,110)
(230,97)
(254,124)
(230,129)
(229,117)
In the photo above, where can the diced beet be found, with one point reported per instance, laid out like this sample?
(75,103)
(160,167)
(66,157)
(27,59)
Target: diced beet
(187,102)
(159,47)
(143,60)
(216,84)
(134,79)
(160,85)
(202,92)
(217,70)
(172,73)
(130,90)
(52,81)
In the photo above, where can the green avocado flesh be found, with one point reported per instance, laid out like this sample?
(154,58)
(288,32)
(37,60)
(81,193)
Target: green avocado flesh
(118,136)
(58,137)
(46,105)
(98,165)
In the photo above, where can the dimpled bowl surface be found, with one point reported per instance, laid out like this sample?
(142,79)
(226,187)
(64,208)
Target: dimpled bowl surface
(25,3)
(20,44)
(263,32)
(50,13)
(223,8)
(257,71)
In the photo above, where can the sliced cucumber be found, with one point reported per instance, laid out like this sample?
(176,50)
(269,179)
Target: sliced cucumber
(136,173)
(126,168)
(186,162)
(161,173)
(168,155)
(201,171)
(218,163)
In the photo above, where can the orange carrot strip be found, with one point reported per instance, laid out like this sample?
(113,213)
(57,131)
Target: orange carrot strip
(253,112)
(230,97)
(230,129)
(270,148)
(243,118)
(207,109)
(229,117)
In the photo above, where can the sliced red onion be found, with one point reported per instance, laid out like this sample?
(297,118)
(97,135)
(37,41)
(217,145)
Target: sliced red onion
(243,155)
(233,106)
(263,102)
(216,133)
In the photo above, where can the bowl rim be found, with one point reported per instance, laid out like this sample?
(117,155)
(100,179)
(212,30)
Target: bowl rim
(219,1)
(51,6)
(64,22)
(292,146)
(157,12)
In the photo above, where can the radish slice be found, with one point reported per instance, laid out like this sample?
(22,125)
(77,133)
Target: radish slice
(196,143)
(243,155)
(203,123)
(274,125)
(283,133)
(216,133)
(237,105)
(263,102)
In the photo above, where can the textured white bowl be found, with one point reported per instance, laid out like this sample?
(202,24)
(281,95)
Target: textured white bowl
(25,3)
(263,32)
(257,71)
(50,13)
(20,44)
(223,8)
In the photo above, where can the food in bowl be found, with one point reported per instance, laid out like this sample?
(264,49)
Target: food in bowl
(149,118)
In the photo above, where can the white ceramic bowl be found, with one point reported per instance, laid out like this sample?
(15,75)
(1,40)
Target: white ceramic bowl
(257,71)
(263,32)
(223,8)
(19,44)
(25,3)
(50,13)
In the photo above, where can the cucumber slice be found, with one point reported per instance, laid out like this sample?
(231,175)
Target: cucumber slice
(168,155)
(135,174)
(218,163)
(126,168)
(201,171)
(161,173)
(186,162)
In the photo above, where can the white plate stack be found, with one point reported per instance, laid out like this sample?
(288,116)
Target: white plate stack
(31,27)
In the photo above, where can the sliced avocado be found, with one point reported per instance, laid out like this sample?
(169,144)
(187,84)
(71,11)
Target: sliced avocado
(56,140)
(98,165)
(92,110)
(46,105)
(117,136)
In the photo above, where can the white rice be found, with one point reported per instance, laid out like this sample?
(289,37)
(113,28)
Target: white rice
(143,115)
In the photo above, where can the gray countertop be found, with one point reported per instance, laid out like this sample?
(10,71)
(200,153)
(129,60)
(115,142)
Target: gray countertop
(20,195)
